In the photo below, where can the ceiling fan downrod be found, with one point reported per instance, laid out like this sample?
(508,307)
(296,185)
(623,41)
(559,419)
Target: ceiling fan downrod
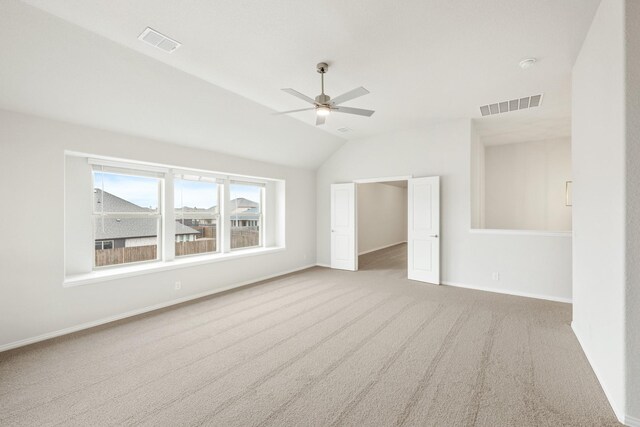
(322,68)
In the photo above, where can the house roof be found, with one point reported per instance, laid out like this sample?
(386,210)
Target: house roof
(107,202)
(241,202)
(123,228)
(245,213)
(126,228)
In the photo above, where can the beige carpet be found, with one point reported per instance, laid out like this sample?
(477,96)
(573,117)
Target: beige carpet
(318,348)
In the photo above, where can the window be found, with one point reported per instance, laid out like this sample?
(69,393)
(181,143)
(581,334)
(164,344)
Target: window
(127,217)
(104,244)
(245,213)
(197,213)
(157,214)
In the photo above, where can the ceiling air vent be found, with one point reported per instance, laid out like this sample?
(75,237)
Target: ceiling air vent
(345,130)
(513,105)
(154,38)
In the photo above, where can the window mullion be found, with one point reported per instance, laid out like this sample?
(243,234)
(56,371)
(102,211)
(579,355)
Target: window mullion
(168,218)
(226,217)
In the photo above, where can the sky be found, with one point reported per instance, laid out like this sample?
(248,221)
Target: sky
(143,191)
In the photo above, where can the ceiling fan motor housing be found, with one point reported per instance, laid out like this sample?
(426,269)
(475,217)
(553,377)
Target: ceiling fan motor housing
(323,99)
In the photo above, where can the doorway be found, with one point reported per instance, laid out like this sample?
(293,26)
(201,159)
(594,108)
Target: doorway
(422,225)
(382,227)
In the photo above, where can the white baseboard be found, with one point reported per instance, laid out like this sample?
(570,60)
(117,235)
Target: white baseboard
(509,292)
(87,325)
(381,247)
(323,265)
(630,421)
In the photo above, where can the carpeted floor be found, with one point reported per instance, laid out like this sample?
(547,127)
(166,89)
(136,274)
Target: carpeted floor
(319,348)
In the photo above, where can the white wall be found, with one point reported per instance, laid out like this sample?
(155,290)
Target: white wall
(382,216)
(528,264)
(632,26)
(32,298)
(525,185)
(477,180)
(598,132)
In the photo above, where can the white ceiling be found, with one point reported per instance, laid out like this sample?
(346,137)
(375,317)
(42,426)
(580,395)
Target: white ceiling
(422,60)
(52,68)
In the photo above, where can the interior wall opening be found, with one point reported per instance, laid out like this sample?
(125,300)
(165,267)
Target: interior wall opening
(382,226)
(521,173)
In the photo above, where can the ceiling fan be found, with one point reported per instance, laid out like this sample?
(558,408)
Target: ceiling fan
(324,105)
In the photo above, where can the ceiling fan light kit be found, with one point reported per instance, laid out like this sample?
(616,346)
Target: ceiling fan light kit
(323,111)
(324,105)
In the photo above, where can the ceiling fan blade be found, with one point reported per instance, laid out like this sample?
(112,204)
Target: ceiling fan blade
(299,95)
(320,120)
(294,111)
(352,94)
(358,111)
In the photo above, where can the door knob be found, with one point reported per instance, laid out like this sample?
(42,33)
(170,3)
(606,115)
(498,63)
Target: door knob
(434,235)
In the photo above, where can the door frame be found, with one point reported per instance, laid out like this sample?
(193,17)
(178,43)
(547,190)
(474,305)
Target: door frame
(375,181)
(383,179)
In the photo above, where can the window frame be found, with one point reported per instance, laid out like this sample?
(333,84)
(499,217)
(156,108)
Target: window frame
(180,175)
(166,213)
(261,221)
(102,242)
(126,170)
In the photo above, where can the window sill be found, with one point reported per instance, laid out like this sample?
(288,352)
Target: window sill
(154,267)
(495,231)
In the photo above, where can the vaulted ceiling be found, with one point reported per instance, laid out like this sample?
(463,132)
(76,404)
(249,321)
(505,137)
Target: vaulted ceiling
(422,60)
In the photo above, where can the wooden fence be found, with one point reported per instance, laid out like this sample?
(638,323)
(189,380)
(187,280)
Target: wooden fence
(196,247)
(244,237)
(241,237)
(124,255)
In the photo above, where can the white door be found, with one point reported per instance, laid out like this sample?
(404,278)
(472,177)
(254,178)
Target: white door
(343,227)
(424,229)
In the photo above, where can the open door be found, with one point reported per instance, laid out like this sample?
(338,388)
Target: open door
(343,227)
(423,233)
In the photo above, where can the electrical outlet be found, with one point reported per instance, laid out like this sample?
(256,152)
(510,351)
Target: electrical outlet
(178,286)
(496,276)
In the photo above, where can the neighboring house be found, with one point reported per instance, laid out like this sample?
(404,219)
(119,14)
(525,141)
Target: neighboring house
(244,213)
(111,233)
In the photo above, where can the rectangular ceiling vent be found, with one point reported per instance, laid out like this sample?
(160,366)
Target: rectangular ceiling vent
(345,130)
(155,39)
(513,105)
